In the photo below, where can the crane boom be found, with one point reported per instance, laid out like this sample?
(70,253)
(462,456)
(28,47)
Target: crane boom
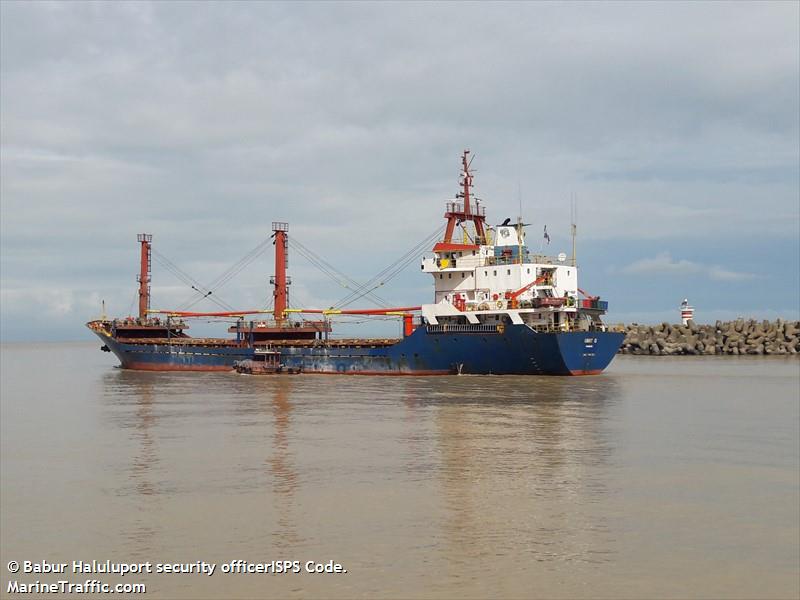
(522,290)
(356,311)
(321,311)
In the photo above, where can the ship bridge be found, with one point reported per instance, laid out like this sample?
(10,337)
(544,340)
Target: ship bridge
(492,275)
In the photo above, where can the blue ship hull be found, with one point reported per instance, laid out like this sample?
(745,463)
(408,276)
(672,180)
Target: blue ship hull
(509,350)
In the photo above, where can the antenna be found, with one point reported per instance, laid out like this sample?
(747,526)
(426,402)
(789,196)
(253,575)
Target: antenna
(519,224)
(574,225)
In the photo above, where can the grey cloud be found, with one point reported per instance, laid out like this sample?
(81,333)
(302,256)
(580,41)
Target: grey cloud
(663,263)
(204,122)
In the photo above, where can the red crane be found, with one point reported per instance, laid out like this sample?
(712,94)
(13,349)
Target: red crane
(281,290)
(319,311)
(514,295)
(145,239)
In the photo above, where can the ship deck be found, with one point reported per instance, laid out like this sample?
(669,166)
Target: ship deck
(224,342)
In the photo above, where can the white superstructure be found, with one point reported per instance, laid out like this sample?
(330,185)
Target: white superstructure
(493,277)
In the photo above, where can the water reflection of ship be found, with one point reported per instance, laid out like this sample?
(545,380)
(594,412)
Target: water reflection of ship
(133,401)
(263,406)
(126,388)
(281,468)
(537,449)
(266,402)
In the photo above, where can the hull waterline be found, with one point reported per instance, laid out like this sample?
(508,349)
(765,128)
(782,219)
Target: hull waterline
(518,350)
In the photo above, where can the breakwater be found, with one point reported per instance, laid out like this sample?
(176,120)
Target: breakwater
(743,336)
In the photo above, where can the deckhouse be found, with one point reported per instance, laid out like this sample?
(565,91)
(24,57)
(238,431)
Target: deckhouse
(490,275)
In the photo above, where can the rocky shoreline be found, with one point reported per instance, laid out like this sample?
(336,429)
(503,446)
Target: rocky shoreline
(730,338)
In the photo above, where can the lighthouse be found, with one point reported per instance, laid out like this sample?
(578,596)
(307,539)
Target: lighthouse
(687,312)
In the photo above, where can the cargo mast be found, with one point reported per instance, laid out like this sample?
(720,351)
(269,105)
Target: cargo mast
(279,280)
(457,213)
(145,239)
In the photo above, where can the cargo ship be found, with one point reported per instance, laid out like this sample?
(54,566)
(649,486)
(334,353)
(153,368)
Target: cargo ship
(498,308)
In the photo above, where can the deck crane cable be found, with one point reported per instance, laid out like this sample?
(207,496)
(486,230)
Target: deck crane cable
(333,273)
(206,291)
(328,269)
(239,266)
(268,302)
(390,272)
(405,259)
(133,302)
(340,278)
(187,279)
(362,290)
(323,266)
(230,275)
(190,303)
(350,283)
(234,270)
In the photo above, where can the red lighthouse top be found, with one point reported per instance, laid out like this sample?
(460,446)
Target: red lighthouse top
(460,212)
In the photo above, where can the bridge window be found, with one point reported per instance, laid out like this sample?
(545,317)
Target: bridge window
(441,276)
(449,275)
(494,273)
(508,271)
(463,275)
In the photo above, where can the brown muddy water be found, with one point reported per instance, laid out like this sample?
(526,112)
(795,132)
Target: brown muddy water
(662,478)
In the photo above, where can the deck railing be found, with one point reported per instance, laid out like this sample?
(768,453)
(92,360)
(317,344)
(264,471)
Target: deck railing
(458,207)
(476,261)
(566,327)
(461,328)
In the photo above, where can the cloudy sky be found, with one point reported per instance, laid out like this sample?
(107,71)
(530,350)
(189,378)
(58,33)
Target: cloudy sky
(675,126)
